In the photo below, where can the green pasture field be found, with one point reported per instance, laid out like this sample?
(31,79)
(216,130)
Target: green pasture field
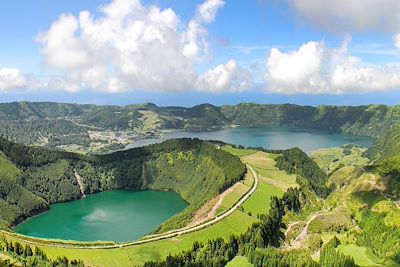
(238,151)
(362,256)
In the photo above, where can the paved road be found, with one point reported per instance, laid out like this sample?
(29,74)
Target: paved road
(170,234)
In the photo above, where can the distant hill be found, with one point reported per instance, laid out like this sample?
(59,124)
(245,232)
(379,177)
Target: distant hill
(57,125)
(371,120)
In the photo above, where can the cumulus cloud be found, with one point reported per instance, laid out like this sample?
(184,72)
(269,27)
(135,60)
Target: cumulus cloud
(350,15)
(225,77)
(61,48)
(13,78)
(315,68)
(195,36)
(131,46)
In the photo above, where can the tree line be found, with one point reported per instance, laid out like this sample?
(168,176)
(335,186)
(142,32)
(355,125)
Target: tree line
(28,256)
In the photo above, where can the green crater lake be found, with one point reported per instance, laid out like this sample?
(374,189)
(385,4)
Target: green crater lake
(128,215)
(120,215)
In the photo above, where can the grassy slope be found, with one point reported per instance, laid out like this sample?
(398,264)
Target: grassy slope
(239,261)
(362,256)
(239,152)
(239,191)
(328,159)
(273,182)
(7,169)
(260,202)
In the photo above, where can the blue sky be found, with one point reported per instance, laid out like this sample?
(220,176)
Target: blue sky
(265,51)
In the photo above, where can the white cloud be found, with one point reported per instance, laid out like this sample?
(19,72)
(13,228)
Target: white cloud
(61,48)
(130,46)
(13,78)
(350,15)
(196,34)
(296,71)
(225,77)
(207,11)
(315,68)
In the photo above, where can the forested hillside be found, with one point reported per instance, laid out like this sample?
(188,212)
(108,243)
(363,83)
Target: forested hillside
(33,177)
(387,145)
(101,128)
(295,161)
(370,120)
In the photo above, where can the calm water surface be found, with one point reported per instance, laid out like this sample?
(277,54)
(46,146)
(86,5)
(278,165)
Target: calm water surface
(271,138)
(114,215)
(128,215)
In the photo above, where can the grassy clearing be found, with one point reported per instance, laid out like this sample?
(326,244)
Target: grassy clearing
(362,256)
(261,160)
(264,164)
(238,152)
(330,222)
(273,182)
(278,178)
(328,159)
(239,261)
(7,169)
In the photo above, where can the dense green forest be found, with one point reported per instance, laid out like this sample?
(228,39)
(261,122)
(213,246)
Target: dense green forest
(37,176)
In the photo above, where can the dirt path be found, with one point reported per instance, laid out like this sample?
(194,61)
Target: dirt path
(296,244)
(150,238)
(205,213)
(80,183)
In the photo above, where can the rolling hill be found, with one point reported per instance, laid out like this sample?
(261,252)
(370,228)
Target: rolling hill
(91,127)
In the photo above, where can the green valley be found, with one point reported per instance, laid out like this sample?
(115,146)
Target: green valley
(336,205)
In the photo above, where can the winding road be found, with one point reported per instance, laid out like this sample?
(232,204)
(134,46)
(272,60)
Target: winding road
(152,238)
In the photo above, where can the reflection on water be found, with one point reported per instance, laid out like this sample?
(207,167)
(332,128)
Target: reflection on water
(271,138)
(114,215)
